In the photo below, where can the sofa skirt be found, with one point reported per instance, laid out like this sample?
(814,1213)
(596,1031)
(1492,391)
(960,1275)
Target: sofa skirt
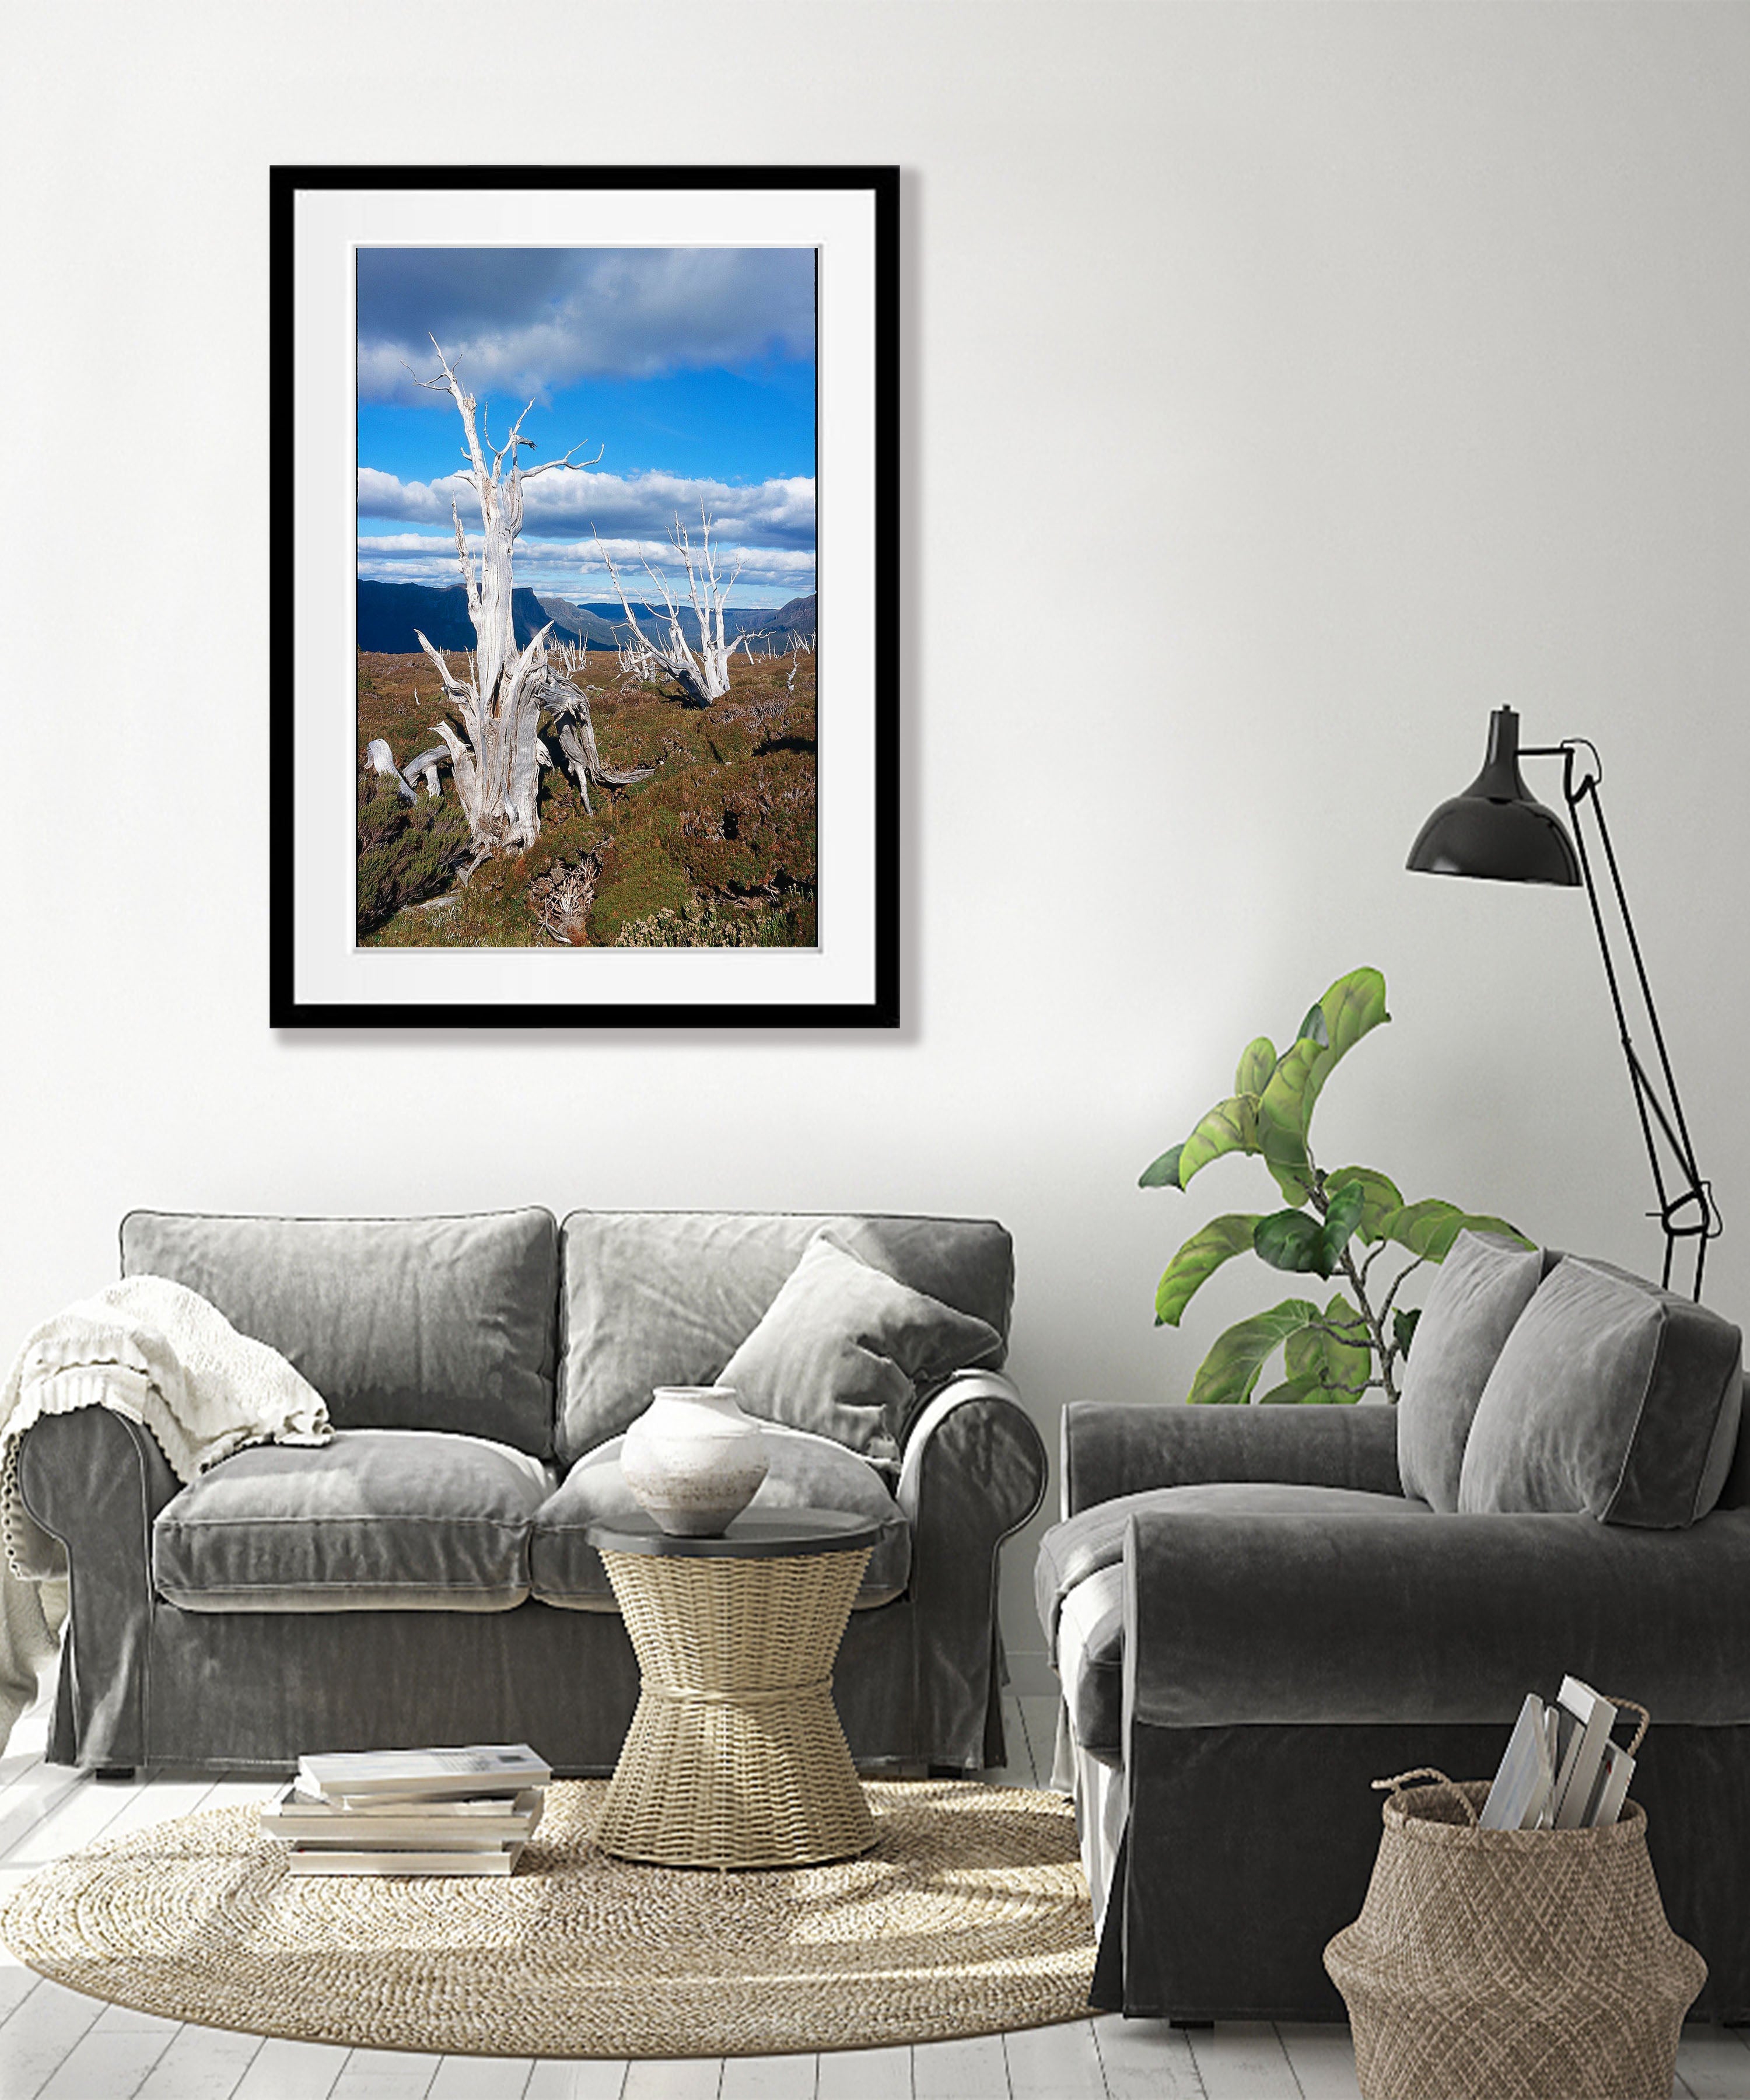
(256,1690)
(1246,1849)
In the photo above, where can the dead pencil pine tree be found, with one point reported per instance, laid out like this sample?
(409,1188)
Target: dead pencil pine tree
(496,762)
(382,760)
(701,679)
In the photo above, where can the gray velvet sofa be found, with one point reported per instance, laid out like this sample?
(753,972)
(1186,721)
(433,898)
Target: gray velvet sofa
(425,1578)
(1253,1620)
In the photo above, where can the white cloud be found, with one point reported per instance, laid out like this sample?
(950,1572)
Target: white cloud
(576,569)
(533,321)
(770,513)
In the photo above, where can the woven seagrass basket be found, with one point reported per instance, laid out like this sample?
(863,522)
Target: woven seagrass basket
(1518,1965)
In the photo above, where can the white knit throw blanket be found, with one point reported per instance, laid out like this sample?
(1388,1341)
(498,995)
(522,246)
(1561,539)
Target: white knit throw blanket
(157,1354)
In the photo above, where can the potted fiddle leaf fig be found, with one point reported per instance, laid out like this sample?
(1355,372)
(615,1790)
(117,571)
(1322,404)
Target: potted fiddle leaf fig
(1334,1225)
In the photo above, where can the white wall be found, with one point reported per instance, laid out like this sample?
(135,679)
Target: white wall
(1340,373)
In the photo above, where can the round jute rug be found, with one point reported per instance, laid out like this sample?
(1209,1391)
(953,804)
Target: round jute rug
(969,1915)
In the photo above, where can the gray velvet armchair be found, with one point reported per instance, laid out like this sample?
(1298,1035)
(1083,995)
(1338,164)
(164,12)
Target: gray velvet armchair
(422,1578)
(1252,1620)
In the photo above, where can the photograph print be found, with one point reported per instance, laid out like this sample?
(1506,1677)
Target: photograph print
(586,598)
(577,697)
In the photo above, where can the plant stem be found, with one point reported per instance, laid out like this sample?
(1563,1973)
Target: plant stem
(1385,1310)
(1382,1349)
(1383,1352)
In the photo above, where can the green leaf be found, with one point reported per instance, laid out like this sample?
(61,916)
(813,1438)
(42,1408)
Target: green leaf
(1429,1227)
(1338,1362)
(1354,1006)
(1227,1374)
(1231,1126)
(1257,1061)
(1163,1173)
(1404,1329)
(1380,1197)
(1197,1260)
(1292,1392)
(1281,1137)
(1291,1240)
(1340,1218)
(1303,1244)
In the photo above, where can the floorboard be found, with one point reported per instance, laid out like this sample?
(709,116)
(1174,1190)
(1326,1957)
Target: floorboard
(25,1807)
(113,2059)
(1713,2063)
(768,2078)
(40,2035)
(482,2078)
(1322,2059)
(292,2070)
(385,2074)
(1145,2059)
(972,2070)
(864,2074)
(1055,2063)
(685,2078)
(1039,1718)
(1243,2060)
(597,2080)
(202,2063)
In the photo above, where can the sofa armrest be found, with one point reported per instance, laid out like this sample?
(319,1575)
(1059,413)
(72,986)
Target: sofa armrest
(1111,1449)
(1290,1619)
(95,1480)
(974,1471)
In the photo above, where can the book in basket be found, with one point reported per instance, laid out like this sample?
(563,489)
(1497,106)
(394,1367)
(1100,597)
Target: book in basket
(1561,1771)
(474,1770)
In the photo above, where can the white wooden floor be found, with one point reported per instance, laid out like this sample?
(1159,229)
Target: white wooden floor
(55,2044)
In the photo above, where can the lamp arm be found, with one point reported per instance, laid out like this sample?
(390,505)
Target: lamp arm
(1691,1213)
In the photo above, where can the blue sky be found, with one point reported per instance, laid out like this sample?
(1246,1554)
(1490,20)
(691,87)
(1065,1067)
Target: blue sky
(691,371)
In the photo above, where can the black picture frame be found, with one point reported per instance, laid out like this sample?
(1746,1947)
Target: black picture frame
(319,977)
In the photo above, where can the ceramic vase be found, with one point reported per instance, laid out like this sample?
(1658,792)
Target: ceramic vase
(693,1460)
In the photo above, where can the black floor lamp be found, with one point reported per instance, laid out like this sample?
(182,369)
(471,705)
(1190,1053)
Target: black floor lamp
(1497,830)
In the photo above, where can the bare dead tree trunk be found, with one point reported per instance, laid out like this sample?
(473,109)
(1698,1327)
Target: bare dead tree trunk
(497,769)
(705,677)
(424,765)
(560,899)
(382,760)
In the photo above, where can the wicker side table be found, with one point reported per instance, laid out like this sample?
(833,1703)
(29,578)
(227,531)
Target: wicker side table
(735,1757)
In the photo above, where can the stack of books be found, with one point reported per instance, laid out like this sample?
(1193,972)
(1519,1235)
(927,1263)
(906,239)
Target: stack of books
(446,1811)
(1561,1771)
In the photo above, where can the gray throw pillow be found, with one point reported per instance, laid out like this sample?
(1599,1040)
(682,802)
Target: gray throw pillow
(1612,1397)
(843,1347)
(400,1323)
(1484,1284)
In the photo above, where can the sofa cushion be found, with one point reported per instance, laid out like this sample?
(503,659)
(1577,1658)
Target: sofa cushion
(844,1350)
(398,1323)
(1612,1397)
(806,1473)
(1082,1546)
(653,1298)
(1480,1290)
(400,1519)
(1090,1663)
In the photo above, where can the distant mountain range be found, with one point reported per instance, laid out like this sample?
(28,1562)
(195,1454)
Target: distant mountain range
(390,613)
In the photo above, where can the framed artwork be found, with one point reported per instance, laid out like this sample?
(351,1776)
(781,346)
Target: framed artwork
(585,615)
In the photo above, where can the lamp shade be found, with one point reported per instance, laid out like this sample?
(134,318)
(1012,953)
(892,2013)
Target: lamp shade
(1497,829)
